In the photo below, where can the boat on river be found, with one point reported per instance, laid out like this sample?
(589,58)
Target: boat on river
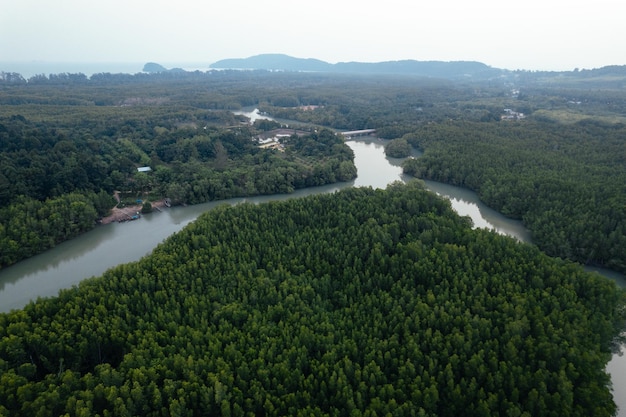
(130,218)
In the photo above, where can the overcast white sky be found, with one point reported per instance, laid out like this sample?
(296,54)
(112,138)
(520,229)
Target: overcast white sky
(529,34)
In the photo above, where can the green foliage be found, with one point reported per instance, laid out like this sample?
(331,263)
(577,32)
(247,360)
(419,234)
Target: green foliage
(398,148)
(56,142)
(363,302)
(567,182)
(28,226)
(266,125)
(146,207)
(65,133)
(360,303)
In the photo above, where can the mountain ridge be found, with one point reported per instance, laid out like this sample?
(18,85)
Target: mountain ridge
(283,62)
(611,76)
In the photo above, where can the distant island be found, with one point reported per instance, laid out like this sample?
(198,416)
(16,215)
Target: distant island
(153,67)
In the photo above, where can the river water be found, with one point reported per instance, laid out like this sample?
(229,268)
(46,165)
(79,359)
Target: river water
(94,252)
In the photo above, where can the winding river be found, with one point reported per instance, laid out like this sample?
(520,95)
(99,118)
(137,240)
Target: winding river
(107,246)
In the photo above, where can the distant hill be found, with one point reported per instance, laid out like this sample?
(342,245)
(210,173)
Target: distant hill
(279,62)
(612,76)
(437,69)
(153,67)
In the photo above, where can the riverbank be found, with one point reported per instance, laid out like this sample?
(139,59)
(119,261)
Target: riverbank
(92,253)
(127,213)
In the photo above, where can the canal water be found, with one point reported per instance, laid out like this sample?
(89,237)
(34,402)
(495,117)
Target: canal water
(107,246)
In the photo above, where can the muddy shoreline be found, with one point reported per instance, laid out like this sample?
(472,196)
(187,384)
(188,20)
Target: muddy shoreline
(126,213)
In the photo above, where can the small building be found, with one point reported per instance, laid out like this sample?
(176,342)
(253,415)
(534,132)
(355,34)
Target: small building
(144,169)
(510,114)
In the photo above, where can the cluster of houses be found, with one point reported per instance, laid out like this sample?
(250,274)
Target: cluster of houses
(511,115)
(272,139)
(272,142)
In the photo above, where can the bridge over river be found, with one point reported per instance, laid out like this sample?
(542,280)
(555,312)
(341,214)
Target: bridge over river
(354,133)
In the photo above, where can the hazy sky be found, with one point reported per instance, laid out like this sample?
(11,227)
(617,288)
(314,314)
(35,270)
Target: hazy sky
(530,34)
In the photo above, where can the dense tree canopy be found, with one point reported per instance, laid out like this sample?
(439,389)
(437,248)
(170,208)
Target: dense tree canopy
(398,148)
(68,133)
(566,181)
(358,303)
(57,145)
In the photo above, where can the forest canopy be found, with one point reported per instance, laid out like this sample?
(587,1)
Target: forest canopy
(359,303)
(362,302)
(546,148)
(567,182)
(62,160)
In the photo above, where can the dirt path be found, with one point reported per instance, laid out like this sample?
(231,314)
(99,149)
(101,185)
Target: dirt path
(123,214)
